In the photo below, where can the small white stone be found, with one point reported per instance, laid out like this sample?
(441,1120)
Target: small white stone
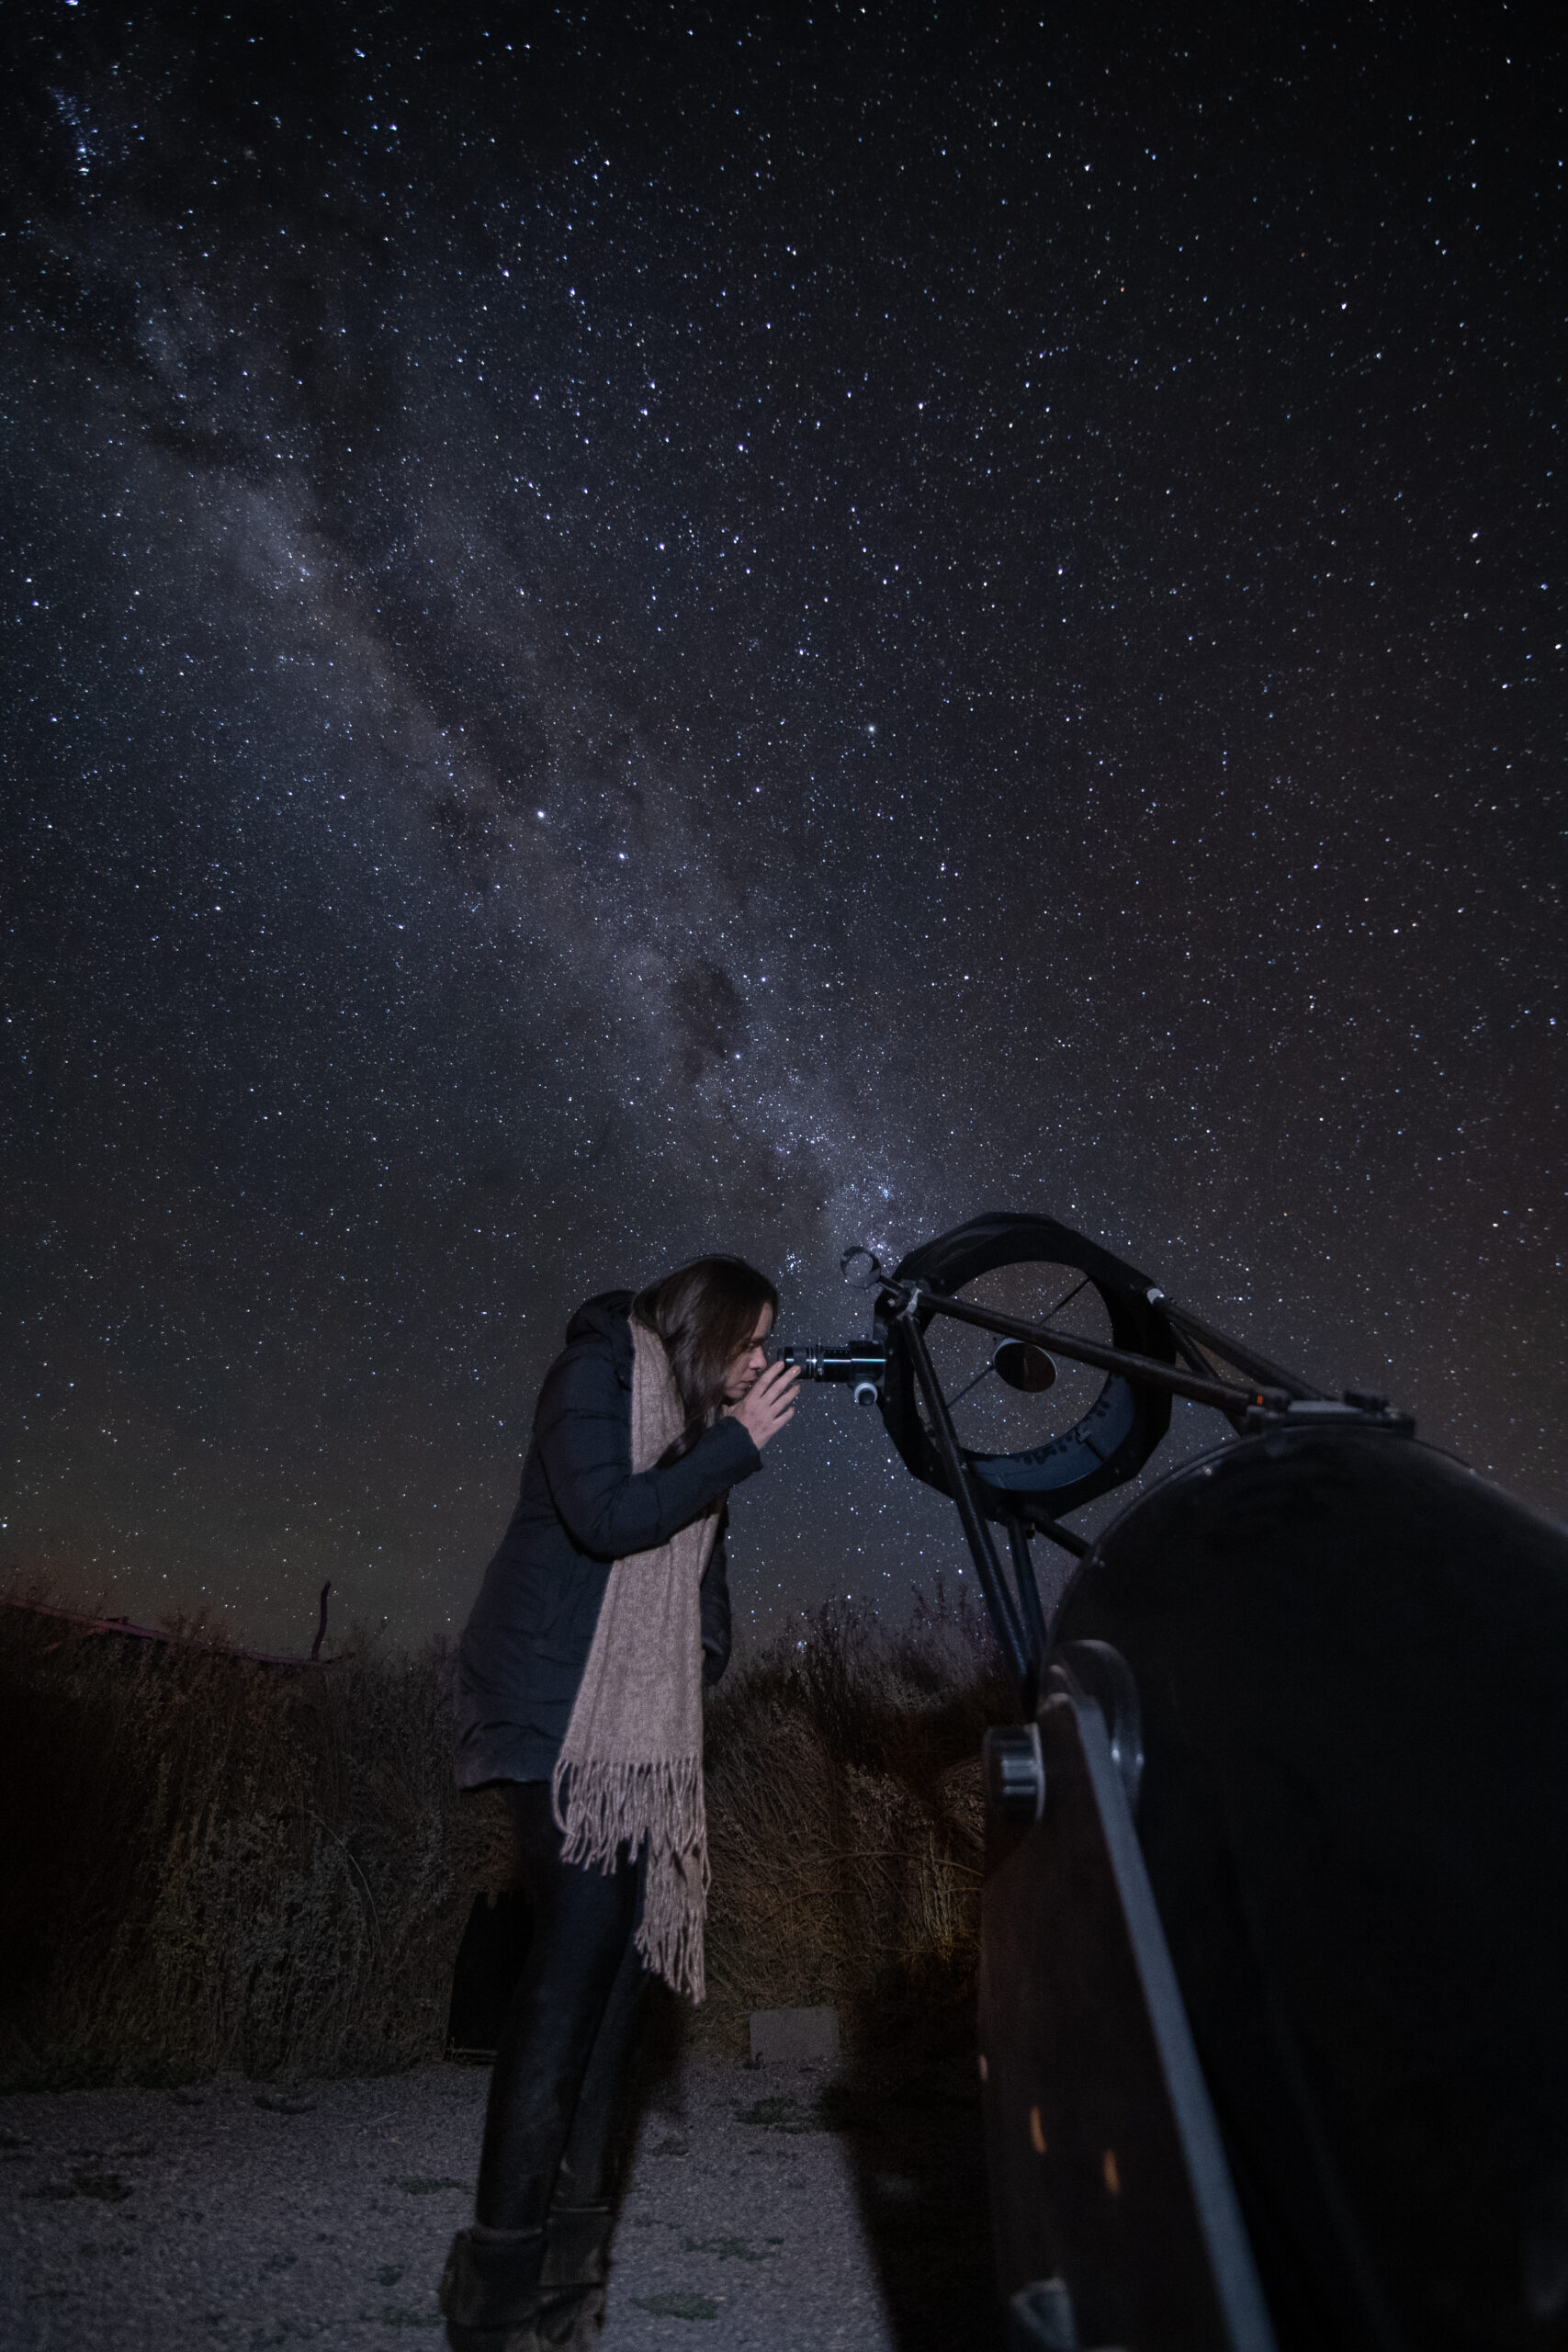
(794,2037)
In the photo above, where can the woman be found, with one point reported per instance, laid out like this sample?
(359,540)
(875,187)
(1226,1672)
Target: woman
(579,1693)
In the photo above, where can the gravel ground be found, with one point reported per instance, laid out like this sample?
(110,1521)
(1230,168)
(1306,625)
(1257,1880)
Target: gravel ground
(765,2208)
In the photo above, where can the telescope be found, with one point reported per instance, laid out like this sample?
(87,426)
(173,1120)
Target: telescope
(1273,2000)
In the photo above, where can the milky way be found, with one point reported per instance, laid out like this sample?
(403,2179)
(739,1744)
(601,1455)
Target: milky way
(638,631)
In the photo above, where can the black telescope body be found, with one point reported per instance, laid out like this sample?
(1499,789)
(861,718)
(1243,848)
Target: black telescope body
(1273,2025)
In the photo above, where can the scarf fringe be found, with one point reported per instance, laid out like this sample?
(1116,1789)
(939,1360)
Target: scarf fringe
(602,1804)
(674,1907)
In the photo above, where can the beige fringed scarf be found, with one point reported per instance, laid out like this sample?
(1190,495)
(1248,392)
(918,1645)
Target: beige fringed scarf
(631,1764)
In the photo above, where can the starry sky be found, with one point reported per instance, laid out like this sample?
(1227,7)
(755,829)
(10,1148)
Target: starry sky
(635,629)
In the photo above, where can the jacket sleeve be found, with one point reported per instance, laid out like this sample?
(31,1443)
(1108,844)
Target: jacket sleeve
(583,1428)
(715,1608)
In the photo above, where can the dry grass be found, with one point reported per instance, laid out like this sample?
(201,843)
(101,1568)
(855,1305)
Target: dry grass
(844,1820)
(207,1864)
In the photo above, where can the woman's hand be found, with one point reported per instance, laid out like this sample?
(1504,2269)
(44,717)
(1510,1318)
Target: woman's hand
(769,1402)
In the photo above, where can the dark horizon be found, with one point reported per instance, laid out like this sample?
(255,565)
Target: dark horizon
(640,632)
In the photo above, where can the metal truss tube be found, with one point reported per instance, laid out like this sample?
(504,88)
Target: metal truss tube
(993,1584)
(1227,1395)
(1032,1615)
(1244,1359)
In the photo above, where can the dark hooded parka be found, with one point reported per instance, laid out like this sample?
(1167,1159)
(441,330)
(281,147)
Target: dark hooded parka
(581,1510)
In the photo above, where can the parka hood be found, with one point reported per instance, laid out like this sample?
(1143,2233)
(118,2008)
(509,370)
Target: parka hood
(603,1317)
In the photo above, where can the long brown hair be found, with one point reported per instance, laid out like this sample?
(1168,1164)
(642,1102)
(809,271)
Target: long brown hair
(705,1315)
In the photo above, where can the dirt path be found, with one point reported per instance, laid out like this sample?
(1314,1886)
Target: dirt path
(762,2212)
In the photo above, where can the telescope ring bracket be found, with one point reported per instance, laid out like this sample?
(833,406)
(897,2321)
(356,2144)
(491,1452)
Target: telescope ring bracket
(1108,1445)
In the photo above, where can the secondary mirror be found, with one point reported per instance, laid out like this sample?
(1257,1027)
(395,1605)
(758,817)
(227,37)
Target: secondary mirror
(1024,1366)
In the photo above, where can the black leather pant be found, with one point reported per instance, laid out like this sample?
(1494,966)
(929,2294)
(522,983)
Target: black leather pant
(560,2096)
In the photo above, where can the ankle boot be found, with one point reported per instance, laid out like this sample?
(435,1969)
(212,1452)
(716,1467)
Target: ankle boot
(571,2283)
(490,2291)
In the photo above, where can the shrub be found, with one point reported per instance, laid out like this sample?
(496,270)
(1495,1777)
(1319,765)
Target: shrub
(844,1820)
(214,1863)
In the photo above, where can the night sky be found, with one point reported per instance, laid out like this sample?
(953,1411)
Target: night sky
(631,630)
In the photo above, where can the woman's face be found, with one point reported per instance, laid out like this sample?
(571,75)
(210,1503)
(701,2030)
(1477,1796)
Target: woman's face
(742,1369)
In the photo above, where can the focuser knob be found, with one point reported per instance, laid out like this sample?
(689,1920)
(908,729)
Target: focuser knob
(1014,1772)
